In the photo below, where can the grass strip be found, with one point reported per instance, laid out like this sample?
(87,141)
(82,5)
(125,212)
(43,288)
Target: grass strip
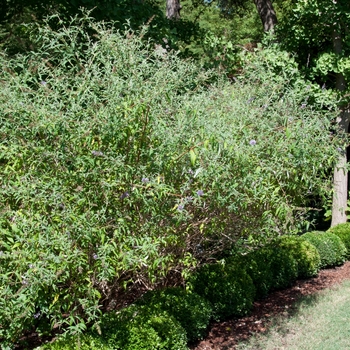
(321,321)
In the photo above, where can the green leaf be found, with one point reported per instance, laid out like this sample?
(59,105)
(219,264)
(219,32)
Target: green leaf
(193,157)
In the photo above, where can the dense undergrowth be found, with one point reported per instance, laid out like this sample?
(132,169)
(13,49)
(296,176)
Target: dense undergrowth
(122,164)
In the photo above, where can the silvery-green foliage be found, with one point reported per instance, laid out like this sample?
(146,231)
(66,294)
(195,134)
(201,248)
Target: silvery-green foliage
(122,164)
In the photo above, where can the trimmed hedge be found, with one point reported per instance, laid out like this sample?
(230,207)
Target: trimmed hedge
(278,264)
(343,232)
(257,265)
(191,310)
(282,265)
(228,288)
(83,342)
(141,328)
(304,253)
(330,247)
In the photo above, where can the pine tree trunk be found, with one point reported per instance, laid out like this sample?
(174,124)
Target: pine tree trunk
(267,14)
(340,180)
(173,8)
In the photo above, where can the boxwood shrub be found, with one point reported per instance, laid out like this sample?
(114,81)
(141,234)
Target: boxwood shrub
(257,265)
(283,266)
(139,327)
(228,288)
(304,253)
(191,310)
(343,232)
(79,342)
(330,247)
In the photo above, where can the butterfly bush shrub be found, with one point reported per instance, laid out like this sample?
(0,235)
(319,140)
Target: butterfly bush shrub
(122,166)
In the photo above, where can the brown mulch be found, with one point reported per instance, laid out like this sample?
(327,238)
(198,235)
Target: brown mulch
(225,335)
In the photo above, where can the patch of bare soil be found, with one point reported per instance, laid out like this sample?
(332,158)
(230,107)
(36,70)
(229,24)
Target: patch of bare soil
(225,335)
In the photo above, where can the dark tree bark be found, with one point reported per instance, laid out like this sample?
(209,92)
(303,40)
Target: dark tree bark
(267,14)
(173,8)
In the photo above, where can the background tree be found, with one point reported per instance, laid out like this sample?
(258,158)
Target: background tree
(265,9)
(173,8)
(126,14)
(267,14)
(317,32)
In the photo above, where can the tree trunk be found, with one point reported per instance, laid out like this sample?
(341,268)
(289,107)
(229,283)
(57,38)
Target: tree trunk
(267,14)
(173,8)
(340,181)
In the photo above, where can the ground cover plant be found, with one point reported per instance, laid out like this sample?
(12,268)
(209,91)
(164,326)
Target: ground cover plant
(122,164)
(320,322)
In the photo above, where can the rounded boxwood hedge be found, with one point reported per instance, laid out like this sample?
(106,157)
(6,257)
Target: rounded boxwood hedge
(139,327)
(282,264)
(304,253)
(82,342)
(228,288)
(343,232)
(330,247)
(191,310)
(257,265)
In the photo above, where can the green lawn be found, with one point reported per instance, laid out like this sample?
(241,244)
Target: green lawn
(320,323)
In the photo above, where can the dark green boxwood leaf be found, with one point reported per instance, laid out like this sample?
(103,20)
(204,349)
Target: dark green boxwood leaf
(330,247)
(304,253)
(228,288)
(191,310)
(283,266)
(343,232)
(139,327)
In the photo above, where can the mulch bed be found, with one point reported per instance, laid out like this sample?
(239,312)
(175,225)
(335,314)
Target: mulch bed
(225,335)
